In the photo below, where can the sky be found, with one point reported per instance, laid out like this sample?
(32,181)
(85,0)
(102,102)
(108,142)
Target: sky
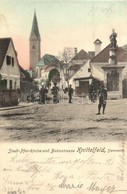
(62,23)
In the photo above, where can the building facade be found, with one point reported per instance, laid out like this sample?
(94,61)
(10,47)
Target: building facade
(9,66)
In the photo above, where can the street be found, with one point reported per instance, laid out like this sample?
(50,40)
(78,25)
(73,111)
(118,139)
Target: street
(64,122)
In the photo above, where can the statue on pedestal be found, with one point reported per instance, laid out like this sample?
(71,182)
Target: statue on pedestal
(113,39)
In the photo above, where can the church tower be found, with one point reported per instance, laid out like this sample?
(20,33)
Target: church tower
(34,45)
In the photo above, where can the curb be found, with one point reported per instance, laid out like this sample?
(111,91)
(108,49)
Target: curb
(14,107)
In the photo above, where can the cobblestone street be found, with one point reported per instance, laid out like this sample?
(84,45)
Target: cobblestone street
(63,122)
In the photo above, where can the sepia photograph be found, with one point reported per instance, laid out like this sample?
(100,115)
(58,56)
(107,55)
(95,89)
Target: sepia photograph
(63,70)
(63,96)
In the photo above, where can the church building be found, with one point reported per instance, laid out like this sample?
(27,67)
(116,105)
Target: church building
(34,46)
(43,69)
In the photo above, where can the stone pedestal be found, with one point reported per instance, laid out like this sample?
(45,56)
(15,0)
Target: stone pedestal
(113,80)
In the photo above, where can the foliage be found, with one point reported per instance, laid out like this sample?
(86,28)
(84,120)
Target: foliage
(53,74)
(65,57)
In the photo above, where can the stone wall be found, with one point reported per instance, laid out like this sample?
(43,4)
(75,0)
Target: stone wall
(8,98)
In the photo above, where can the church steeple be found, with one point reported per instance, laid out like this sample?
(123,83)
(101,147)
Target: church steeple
(34,45)
(35,29)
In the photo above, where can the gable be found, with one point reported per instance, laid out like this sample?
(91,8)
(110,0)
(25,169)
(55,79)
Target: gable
(83,71)
(10,65)
(12,52)
(4,43)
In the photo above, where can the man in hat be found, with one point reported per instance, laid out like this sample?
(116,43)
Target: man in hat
(102,99)
(70,92)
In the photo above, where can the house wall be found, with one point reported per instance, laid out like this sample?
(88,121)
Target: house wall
(82,72)
(38,70)
(98,72)
(10,72)
(44,74)
(83,88)
(124,73)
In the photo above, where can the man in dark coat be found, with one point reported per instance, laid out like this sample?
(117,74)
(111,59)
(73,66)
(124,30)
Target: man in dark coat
(43,91)
(70,92)
(102,99)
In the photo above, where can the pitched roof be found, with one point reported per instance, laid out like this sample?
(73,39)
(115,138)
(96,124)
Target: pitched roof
(26,75)
(35,29)
(103,56)
(48,59)
(81,55)
(4,43)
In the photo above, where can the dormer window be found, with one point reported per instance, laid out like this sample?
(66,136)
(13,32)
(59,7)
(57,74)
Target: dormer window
(9,60)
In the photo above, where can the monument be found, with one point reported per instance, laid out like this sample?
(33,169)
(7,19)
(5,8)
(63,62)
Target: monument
(113,71)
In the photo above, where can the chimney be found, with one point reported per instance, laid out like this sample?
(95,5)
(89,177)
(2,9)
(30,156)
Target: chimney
(97,46)
(75,50)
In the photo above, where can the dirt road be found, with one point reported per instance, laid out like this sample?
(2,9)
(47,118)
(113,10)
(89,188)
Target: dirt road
(64,122)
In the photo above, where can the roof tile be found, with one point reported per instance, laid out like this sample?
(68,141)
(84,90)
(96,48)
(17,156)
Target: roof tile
(103,56)
(82,55)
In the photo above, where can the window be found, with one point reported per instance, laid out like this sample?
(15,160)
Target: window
(33,47)
(89,70)
(9,60)
(3,84)
(10,84)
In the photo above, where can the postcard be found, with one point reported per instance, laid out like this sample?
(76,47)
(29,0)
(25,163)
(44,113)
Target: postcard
(63,97)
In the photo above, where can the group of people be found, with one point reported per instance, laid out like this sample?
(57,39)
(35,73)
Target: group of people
(43,94)
(102,96)
(55,91)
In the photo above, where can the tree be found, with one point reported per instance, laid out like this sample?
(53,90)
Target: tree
(65,57)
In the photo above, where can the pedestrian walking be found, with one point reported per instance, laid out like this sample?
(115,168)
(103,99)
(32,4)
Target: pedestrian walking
(70,92)
(43,92)
(102,94)
(55,91)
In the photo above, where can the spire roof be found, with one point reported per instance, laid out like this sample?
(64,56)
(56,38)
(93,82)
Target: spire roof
(35,29)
